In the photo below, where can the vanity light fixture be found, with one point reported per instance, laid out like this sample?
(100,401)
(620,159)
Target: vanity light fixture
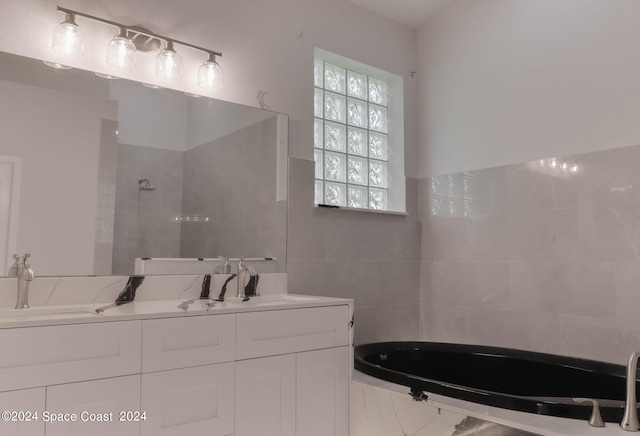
(210,73)
(121,52)
(169,63)
(68,39)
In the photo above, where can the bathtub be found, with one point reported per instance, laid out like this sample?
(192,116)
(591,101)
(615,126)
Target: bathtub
(510,379)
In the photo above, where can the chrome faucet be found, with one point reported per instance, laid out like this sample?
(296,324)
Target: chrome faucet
(224,268)
(630,418)
(22,270)
(243,270)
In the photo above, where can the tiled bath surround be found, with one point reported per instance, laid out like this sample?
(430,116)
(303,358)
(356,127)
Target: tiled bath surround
(541,256)
(370,257)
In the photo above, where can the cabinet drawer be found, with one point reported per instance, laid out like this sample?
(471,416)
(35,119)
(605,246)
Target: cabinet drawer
(184,342)
(289,331)
(40,356)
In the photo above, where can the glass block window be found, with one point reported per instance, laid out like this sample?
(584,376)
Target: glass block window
(350,138)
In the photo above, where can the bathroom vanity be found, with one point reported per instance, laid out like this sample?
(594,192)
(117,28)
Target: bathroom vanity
(275,365)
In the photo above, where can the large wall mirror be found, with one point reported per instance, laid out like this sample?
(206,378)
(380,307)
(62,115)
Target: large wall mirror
(95,173)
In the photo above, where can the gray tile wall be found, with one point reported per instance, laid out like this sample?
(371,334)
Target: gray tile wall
(372,258)
(145,224)
(535,256)
(232,181)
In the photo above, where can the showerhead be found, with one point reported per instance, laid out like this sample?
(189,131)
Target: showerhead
(145,185)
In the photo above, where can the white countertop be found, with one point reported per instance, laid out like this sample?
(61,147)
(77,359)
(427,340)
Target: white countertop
(85,313)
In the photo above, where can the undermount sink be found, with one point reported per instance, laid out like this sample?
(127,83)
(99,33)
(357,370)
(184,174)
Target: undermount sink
(47,311)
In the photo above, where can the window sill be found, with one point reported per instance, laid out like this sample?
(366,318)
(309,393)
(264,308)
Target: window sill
(355,209)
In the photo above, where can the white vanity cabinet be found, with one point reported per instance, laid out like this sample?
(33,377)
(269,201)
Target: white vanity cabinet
(244,372)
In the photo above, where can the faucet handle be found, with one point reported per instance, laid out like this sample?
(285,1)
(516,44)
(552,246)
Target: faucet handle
(596,418)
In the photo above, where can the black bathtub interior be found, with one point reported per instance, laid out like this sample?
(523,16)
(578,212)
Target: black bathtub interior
(511,379)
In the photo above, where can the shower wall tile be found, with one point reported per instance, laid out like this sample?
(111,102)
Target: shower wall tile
(243,215)
(361,235)
(327,278)
(470,284)
(487,192)
(445,324)
(589,186)
(391,283)
(540,286)
(307,238)
(406,240)
(369,257)
(528,189)
(546,255)
(447,239)
(486,238)
(627,286)
(301,187)
(599,339)
(599,233)
(391,323)
(538,242)
(145,221)
(520,330)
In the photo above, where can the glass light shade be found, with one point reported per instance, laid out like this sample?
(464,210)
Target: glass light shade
(121,52)
(210,74)
(68,39)
(169,63)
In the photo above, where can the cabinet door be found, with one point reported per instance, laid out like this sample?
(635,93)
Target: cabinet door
(97,405)
(322,392)
(191,401)
(266,396)
(26,401)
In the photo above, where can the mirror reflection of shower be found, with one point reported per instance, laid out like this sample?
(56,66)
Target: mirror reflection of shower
(145,185)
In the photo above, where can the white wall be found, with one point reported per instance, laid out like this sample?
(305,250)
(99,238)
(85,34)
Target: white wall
(506,81)
(149,117)
(266,45)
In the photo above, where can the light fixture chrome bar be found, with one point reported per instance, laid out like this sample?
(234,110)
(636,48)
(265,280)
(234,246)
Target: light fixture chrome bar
(137,30)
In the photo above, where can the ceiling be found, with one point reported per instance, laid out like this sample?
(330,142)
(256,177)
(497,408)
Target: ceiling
(412,13)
